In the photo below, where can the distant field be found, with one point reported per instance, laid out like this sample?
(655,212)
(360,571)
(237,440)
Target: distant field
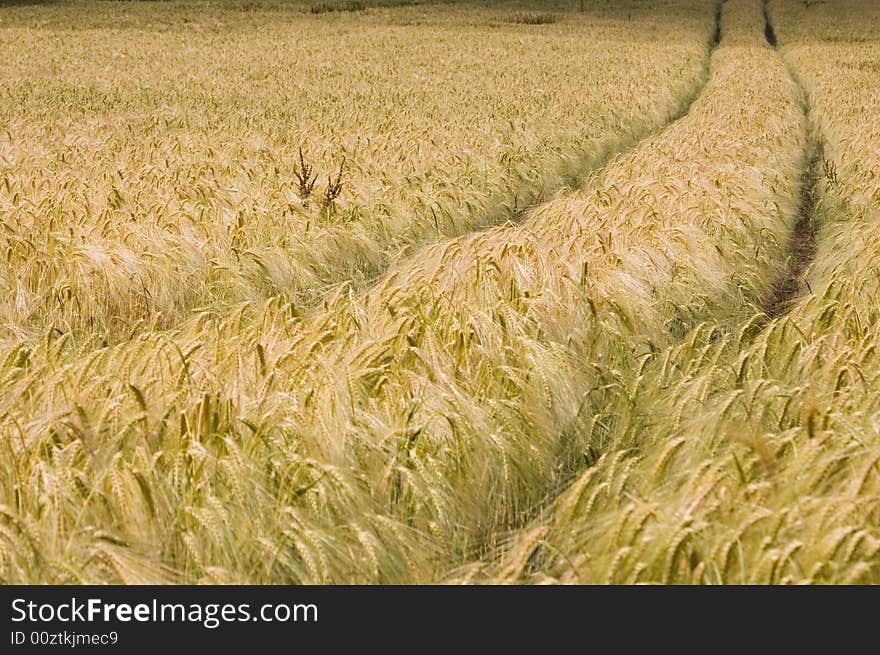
(152,149)
(407,292)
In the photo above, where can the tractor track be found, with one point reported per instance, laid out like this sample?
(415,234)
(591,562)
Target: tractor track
(520,215)
(496,541)
(577,181)
(792,284)
(783,295)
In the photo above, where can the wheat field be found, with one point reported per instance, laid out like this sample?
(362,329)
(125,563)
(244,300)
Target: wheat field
(440,292)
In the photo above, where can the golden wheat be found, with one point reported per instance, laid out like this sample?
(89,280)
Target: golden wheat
(146,173)
(640,379)
(759,463)
(439,407)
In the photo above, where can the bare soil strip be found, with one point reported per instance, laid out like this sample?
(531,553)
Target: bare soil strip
(801,246)
(802,243)
(769,30)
